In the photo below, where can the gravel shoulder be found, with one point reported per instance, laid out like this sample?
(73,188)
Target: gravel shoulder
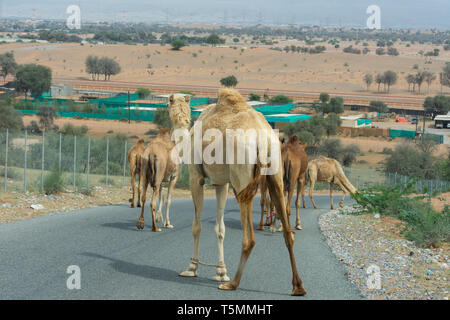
(364,242)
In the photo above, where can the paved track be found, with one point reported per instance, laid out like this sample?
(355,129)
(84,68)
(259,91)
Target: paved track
(119,262)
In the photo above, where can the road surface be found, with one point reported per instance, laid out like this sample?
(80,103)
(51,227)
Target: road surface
(119,262)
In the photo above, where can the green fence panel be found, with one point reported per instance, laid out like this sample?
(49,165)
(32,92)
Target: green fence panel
(402,134)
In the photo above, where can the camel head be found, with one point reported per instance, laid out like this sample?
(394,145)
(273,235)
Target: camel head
(231,98)
(163,132)
(140,141)
(180,111)
(294,140)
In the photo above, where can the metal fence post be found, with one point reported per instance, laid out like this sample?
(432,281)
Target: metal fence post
(107,159)
(6,160)
(88,161)
(43,159)
(59,160)
(74,160)
(124,163)
(25,164)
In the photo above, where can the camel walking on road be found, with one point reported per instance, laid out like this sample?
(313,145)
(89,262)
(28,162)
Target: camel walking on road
(295,163)
(328,170)
(134,159)
(158,167)
(232,113)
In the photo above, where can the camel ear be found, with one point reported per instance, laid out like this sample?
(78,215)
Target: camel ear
(171,98)
(187,98)
(282,140)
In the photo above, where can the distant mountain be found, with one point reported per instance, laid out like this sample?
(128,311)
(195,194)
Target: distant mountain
(424,14)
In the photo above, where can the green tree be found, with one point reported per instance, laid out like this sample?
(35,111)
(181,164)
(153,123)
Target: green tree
(254,97)
(390,77)
(162,118)
(143,92)
(10,118)
(378,106)
(324,97)
(429,77)
(336,105)
(8,65)
(280,99)
(229,81)
(419,78)
(214,39)
(331,124)
(177,44)
(368,79)
(33,78)
(46,116)
(379,79)
(437,105)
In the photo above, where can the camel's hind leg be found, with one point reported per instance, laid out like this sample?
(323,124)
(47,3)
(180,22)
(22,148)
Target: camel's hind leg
(263,203)
(219,229)
(298,225)
(276,193)
(303,186)
(139,191)
(340,185)
(133,187)
(168,202)
(195,181)
(248,242)
(331,195)
(158,215)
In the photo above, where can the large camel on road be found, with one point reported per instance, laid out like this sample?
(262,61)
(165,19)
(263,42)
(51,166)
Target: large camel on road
(158,167)
(231,112)
(295,163)
(134,159)
(328,170)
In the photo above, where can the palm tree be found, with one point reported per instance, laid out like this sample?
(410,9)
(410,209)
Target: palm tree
(429,78)
(368,79)
(411,81)
(419,78)
(379,79)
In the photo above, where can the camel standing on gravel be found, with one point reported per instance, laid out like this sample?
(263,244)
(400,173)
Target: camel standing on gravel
(328,170)
(158,167)
(134,159)
(231,112)
(295,163)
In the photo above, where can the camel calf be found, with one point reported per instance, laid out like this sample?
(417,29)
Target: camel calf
(134,159)
(328,170)
(158,167)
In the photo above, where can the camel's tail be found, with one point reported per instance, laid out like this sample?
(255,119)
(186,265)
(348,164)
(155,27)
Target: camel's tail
(287,174)
(153,164)
(345,182)
(251,189)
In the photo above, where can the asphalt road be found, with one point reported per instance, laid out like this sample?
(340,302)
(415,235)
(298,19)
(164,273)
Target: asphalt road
(119,262)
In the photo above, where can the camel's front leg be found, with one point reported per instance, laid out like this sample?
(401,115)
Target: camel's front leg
(197,196)
(221,197)
(303,186)
(298,225)
(263,203)
(340,185)
(311,189)
(156,190)
(139,191)
(168,201)
(248,242)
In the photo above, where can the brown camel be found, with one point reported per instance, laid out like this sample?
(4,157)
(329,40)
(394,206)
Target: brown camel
(158,167)
(295,163)
(134,159)
(328,170)
(232,113)
(267,206)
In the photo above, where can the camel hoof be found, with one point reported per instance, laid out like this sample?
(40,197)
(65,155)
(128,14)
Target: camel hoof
(341,205)
(188,273)
(298,227)
(140,224)
(221,278)
(227,286)
(156,230)
(168,226)
(131,205)
(138,205)
(260,228)
(298,292)
(280,229)
(158,217)
(316,207)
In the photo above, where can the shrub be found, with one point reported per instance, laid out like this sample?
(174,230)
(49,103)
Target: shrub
(10,119)
(70,129)
(254,97)
(162,118)
(53,182)
(281,99)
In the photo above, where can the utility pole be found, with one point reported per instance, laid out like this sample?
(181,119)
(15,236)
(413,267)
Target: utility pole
(129,113)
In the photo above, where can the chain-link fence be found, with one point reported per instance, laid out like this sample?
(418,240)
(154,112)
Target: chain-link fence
(26,159)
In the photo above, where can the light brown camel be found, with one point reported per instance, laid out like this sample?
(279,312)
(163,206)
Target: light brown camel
(328,170)
(158,167)
(134,159)
(231,113)
(295,163)
(267,206)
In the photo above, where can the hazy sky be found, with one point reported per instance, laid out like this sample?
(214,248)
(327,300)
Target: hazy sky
(422,14)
